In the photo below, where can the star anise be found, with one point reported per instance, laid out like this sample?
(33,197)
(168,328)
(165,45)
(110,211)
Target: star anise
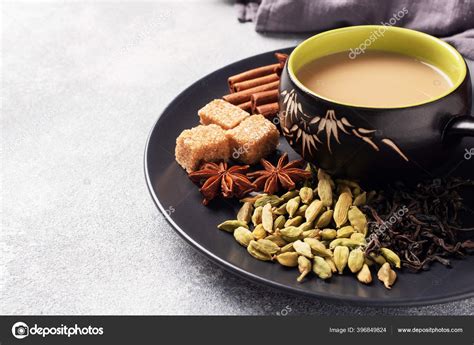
(217,179)
(284,175)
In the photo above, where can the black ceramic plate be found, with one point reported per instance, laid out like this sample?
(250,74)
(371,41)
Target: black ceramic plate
(180,202)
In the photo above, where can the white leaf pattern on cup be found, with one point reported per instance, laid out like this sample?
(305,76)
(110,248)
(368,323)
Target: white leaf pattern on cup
(306,128)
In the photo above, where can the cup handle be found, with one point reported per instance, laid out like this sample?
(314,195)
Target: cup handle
(460,126)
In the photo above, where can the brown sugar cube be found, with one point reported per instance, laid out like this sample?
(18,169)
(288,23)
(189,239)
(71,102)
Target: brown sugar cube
(253,139)
(222,113)
(201,144)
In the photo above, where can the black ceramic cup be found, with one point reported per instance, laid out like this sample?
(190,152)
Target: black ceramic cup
(361,142)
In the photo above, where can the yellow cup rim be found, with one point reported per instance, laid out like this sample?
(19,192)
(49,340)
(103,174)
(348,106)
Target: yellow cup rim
(420,35)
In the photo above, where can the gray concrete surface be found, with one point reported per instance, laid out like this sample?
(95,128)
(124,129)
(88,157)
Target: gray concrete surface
(82,84)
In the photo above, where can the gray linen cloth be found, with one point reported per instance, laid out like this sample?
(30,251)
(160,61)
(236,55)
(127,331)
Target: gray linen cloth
(452,20)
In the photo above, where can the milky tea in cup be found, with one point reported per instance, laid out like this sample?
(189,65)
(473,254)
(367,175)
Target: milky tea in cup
(374,79)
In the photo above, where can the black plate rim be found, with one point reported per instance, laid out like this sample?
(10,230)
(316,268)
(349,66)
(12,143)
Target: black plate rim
(400,302)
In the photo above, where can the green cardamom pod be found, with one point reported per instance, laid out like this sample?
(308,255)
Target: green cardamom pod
(231,225)
(331,264)
(387,275)
(325,192)
(297,221)
(322,175)
(277,239)
(257,215)
(306,195)
(288,259)
(321,268)
(279,222)
(303,248)
(364,275)
(273,200)
(306,226)
(318,248)
(280,210)
(358,237)
(313,210)
(313,233)
(358,220)
(258,252)
(378,259)
(360,199)
(347,242)
(368,261)
(292,205)
(328,234)
(356,260)
(341,255)
(267,218)
(245,212)
(243,236)
(259,232)
(269,246)
(304,267)
(341,209)
(356,191)
(289,195)
(301,211)
(391,257)
(324,219)
(342,188)
(287,248)
(291,233)
(345,232)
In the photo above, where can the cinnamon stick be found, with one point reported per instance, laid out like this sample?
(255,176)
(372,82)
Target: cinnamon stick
(244,96)
(252,74)
(247,84)
(281,58)
(264,97)
(268,110)
(245,106)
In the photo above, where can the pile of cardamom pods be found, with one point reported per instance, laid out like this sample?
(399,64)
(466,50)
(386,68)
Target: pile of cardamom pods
(318,228)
